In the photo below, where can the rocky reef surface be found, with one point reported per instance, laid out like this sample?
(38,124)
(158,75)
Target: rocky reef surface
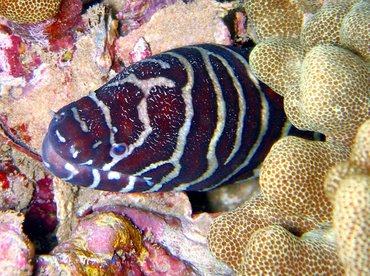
(308,212)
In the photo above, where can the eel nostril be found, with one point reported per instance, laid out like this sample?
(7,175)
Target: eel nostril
(57,117)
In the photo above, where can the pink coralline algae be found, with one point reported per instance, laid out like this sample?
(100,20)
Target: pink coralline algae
(16,249)
(108,243)
(12,61)
(134,13)
(10,49)
(141,51)
(163,219)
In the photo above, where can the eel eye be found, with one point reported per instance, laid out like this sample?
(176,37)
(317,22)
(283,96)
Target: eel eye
(119,149)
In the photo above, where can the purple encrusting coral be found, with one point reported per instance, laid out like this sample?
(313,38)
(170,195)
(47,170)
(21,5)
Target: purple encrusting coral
(10,62)
(134,13)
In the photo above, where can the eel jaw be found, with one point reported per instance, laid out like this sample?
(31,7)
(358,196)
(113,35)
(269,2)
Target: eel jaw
(86,175)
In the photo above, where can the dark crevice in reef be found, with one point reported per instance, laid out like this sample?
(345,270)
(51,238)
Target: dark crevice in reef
(199,202)
(40,217)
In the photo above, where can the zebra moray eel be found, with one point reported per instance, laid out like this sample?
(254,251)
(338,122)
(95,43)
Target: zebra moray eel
(191,119)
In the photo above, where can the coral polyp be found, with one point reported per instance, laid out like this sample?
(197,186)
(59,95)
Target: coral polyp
(29,11)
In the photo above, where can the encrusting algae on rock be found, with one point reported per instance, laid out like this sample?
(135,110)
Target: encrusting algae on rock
(17,251)
(302,223)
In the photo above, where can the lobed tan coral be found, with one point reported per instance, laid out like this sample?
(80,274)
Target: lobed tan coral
(348,186)
(295,254)
(334,96)
(316,85)
(324,26)
(284,18)
(358,18)
(230,233)
(316,80)
(259,238)
(310,6)
(29,11)
(291,179)
(292,176)
(324,78)
(273,58)
(351,223)
(271,61)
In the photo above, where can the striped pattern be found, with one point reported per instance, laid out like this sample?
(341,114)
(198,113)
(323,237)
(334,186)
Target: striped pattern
(191,118)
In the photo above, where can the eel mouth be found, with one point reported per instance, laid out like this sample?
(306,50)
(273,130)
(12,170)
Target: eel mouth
(74,173)
(86,175)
